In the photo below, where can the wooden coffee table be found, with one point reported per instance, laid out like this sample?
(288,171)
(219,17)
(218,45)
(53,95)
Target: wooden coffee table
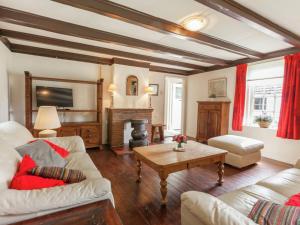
(164,160)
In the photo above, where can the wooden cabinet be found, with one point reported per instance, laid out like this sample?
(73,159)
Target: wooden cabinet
(213,119)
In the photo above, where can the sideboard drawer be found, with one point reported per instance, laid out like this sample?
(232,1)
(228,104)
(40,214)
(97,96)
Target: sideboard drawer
(68,131)
(90,135)
(210,107)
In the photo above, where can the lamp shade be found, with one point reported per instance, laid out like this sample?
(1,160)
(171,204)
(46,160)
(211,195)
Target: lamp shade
(112,88)
(149,90)
(47,118)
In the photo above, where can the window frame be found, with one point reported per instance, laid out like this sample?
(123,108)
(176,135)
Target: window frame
(249,103)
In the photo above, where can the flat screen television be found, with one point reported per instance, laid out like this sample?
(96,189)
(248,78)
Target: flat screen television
(53,96)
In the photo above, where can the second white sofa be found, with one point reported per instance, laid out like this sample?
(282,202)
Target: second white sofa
(198,208)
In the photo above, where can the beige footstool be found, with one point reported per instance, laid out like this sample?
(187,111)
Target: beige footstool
(242,151)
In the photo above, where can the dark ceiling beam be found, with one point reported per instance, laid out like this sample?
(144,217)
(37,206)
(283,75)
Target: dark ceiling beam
(128,62)
(270,55)
(241,13)
(129,15)
(92,48)
(169,70)
(5,41)
(59,54)
(25,49)
(14,16)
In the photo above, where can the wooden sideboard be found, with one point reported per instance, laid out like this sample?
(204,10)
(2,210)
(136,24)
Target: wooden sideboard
(91,132)
(213,119)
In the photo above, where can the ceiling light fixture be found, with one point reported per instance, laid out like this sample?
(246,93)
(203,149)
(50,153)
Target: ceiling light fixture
(194,23)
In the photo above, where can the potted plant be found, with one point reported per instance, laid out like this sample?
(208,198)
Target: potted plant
(263,121)
(180,139)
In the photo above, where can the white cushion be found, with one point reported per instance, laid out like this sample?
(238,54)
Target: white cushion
(208,210)
(286,183)
(14,202)
(244,199)
(236,144)
(14,133)
(9,159)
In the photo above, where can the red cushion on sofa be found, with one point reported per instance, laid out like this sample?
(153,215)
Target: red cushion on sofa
(294,200)
(59,150)
(22,181)
(25,165)
(28,182)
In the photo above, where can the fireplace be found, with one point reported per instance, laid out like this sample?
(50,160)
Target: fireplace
(118,117)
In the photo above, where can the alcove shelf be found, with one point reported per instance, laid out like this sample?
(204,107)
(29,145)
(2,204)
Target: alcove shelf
(90,131)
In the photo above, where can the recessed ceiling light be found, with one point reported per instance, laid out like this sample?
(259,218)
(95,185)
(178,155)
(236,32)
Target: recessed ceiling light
(194,23)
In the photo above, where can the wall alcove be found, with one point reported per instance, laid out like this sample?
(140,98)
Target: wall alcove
(132,85)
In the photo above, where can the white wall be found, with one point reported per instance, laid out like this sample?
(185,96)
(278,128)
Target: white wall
(84,94)
(5,60)
(276,148)
(120,74)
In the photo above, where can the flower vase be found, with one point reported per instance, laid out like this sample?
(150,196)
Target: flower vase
(179,147)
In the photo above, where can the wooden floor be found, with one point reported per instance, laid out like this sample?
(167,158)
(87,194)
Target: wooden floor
(139,204)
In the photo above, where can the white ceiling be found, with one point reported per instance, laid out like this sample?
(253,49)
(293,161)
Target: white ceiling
(219,25)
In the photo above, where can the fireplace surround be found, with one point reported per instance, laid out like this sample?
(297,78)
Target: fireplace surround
(117,117)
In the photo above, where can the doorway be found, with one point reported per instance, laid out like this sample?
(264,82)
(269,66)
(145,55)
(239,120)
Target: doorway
(174,104)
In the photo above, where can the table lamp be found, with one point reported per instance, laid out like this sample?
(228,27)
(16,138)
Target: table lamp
(112,88)
(149,91)
(46,120)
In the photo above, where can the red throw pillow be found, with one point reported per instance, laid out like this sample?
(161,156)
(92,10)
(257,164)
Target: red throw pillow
(25,165)
(22,181)
(28,182)
(59,150)
(294,200)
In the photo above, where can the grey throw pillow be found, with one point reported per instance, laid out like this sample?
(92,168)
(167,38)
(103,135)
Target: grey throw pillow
(42,154)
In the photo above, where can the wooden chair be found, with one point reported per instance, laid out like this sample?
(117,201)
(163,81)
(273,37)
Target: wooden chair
(160,131)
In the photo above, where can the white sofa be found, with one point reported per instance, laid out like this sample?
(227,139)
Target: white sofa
(16,205)
(232,208)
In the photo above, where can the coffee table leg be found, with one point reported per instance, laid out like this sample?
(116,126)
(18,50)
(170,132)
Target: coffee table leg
(163,188)
(221,172)
(139,171)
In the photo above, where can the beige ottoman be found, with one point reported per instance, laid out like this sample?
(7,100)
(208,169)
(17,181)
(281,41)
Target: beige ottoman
(242,151)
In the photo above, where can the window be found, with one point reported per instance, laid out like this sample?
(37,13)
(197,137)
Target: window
(264,88)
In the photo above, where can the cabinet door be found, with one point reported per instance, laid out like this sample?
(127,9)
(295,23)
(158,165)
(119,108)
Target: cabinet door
(214,122)
(90,135)
(202,125)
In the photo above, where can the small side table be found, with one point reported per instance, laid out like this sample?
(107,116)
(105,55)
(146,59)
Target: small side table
(160,128)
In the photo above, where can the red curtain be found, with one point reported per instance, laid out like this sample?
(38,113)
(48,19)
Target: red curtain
(239,98)
(289,120)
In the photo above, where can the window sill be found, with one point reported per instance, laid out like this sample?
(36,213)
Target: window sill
(256,126)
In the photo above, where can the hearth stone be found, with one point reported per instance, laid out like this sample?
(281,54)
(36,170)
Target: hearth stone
(139,134)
